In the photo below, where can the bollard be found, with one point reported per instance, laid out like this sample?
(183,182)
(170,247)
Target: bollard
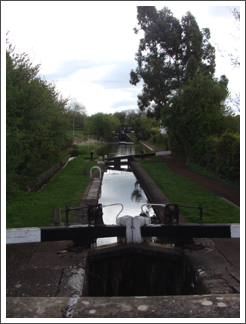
(137,223)
(127,222)
(56,216)
(85,171)
(91,156)
(133,228)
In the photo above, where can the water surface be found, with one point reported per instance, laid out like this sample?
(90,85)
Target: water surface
(121,187)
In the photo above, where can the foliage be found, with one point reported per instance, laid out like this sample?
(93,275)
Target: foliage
(36,121)
(202,128)
(43,166)
(217,157)
(158,138)
(133,136)
(101,125)
(75,133)
(232,123)
(182,191)
(87,148)
(125,118)
(222,155)
(36,208)
(196,112)
(205,172)
(169,53)
(142,126)
(122,119)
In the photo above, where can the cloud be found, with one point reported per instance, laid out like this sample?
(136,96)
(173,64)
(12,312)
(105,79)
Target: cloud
(221,11)
(109,74)
(69,67)
(123,104)
(119,75)
(102,85)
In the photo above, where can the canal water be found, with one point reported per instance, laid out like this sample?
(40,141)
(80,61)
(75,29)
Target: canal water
(121,187)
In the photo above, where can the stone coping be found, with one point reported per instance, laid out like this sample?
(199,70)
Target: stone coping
(196,306)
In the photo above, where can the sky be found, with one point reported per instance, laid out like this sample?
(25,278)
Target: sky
(88,48)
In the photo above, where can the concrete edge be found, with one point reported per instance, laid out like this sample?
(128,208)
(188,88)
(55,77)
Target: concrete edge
(194,306)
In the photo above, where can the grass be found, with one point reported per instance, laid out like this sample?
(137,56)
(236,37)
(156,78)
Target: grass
(133,136)
(35,209)
(157,144)
(185,192)
(196,168)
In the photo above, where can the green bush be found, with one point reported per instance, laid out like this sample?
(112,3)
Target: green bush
(158,138)
(222,155)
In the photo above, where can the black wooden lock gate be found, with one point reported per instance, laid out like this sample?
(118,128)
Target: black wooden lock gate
(94,213)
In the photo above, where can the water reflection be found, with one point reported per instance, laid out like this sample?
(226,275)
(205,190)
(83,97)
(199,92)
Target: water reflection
(137,194)
(120,186)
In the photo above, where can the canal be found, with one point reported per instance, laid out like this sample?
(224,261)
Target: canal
(121,187)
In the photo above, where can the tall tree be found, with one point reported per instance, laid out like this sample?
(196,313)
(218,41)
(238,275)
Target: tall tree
(169,53)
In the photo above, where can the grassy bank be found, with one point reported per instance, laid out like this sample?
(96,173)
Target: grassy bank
(196,168)
(36,208)
(133,136)
(184,192)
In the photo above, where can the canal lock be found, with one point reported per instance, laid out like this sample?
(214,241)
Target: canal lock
(135,271)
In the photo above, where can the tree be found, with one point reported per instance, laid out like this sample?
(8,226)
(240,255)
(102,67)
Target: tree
(78,114)
(196,111)
(122,119)
(131,114)
(101,125)
(143,125)
(36,121)
(169,53)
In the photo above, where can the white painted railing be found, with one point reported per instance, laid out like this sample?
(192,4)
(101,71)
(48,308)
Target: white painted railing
(97,167)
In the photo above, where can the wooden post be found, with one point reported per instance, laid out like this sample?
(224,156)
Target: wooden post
(117,163)
(57,216)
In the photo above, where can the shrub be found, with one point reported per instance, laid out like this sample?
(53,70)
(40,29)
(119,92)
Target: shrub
(220,155)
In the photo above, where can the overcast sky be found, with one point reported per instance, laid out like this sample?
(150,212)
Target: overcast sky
(88,48)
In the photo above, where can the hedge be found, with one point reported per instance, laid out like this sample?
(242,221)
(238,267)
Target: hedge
(220,155)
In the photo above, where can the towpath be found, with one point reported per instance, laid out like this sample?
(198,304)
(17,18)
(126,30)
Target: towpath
(177,165)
